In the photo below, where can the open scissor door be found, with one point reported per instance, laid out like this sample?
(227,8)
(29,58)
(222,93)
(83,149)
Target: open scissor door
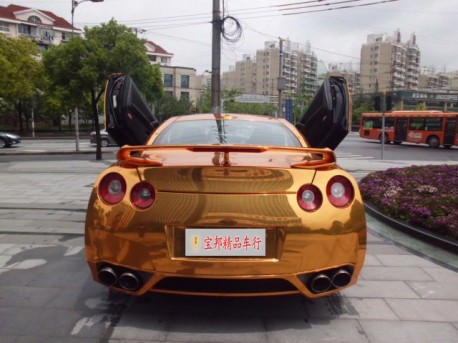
(325,123)
(128,118)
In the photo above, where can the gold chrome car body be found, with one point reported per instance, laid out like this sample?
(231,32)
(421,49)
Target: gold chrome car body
(225,187)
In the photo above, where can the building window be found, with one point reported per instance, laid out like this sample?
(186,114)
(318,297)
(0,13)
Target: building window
(184,96)
(184,81)
(65,37)
(163,59)
(153,58)
(25,29)
(34,19)
(4,27)
(168,80)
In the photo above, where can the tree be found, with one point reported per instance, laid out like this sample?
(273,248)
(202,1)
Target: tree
(82,66)
(21,74)
(169,106)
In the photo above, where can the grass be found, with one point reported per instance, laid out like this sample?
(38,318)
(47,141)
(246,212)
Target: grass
(424,196)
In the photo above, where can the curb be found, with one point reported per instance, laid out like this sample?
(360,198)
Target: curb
(425,235)
(45,153)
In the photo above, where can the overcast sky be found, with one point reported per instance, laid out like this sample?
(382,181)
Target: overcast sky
(182,27)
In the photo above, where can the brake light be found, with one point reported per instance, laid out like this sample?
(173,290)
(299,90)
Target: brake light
(340,191)
(142,195)
(309,198)
(112,188)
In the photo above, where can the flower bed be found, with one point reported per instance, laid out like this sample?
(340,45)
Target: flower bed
(425,196)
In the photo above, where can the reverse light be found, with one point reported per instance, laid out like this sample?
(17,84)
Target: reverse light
(340,191)
(309,198)
(112,188)
(142,195)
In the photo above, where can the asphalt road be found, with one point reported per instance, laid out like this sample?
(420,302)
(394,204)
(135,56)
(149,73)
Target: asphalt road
(353,146)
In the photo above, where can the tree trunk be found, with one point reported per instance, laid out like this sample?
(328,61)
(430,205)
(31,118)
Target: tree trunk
(95,116)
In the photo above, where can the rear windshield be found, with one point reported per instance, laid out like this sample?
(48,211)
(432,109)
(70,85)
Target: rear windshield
(237,132)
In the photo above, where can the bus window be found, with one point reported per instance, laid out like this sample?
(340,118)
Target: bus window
(389,123)
(368,124)
(433,124)
(417,124)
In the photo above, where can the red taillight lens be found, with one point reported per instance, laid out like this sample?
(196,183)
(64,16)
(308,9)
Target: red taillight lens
(112,188)
(340,191)
(309,198)
(142,195)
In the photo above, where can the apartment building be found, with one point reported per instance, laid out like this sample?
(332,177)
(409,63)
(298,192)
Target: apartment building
(242,76)
(388,63)
(259,74)
(352,77)
(299,68)
(43,27)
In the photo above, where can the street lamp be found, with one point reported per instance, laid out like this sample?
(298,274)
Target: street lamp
(75,4)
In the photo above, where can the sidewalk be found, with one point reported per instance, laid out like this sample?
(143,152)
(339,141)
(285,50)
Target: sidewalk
(407,290)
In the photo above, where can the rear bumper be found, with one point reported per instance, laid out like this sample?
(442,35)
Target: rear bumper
(301,258)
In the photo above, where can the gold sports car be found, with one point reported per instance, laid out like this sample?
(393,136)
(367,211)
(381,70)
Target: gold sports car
(226,204)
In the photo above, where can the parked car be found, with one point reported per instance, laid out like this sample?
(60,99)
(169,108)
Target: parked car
(8,139)
(231,205)
(105,138)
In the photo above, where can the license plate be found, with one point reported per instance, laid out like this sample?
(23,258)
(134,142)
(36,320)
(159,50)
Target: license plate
(225,242)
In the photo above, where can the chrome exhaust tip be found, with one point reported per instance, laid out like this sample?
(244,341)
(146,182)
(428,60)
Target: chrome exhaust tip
(108,276)
(341,278)
(320,283)
(129,281)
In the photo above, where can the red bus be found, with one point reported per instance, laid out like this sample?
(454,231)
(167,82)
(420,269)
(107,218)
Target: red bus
(434,128)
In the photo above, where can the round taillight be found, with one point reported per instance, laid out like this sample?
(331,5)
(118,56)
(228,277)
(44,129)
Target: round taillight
(309,198)
(142,195)
(112,188)
(340,191)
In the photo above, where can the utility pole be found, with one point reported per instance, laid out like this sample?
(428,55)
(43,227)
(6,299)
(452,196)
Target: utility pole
(383,108)
(280,81)
(216,58)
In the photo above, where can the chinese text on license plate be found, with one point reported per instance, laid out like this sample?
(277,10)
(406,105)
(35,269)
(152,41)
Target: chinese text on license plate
(225,242)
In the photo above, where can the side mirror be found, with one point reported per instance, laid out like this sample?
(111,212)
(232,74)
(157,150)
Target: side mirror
(128,118)
(325,123)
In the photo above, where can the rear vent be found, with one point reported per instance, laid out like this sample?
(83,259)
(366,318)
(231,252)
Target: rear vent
(221,286)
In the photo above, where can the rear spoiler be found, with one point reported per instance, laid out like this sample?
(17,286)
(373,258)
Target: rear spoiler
(132,155)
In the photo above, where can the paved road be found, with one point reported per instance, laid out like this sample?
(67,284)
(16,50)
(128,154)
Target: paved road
(47,295)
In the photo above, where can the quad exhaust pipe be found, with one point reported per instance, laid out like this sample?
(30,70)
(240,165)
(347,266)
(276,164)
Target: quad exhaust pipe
(127,280)
(107,276)
(341,278)
(330,279)
(320,283)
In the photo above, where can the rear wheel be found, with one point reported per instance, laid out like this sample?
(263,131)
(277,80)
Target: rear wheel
(387,140)
(433,142)
(104,142)
(3,143)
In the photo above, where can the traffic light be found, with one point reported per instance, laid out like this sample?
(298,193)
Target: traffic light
(388,103)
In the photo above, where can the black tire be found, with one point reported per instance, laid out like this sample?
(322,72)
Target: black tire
(398,142)
(104,142)
(3,143)
(387,140)
(434,142)
(448,146)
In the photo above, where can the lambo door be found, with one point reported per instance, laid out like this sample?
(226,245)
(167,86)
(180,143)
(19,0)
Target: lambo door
(325,123)
(128,118)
